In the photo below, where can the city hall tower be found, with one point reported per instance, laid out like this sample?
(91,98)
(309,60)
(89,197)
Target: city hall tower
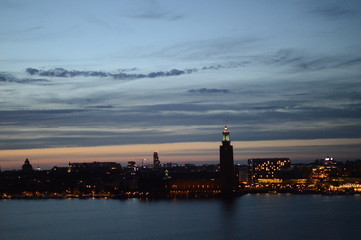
(226,164)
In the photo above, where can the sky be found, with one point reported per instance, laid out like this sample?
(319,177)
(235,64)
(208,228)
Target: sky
(114,80)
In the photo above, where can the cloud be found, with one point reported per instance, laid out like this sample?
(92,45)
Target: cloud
(4,77)
(173,72)
(219,49)
(101,106)
(64,73)
(303,106)
(208,90)
(149,124)
(298,61)
(257,111)
(334,11)
(295,60)
(158,15)
(155,11)
(303,61)
(214,67)
(61,72)
(128,69)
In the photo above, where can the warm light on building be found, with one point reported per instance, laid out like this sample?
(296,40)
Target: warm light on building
(266,168)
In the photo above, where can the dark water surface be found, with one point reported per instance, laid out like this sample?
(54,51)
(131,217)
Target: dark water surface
(257,216)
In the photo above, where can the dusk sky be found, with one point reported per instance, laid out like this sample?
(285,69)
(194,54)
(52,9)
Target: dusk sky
(117,80)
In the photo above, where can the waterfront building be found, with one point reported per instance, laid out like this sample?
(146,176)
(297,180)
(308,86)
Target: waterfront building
(266,168)
(228,178)
(193,188)
(75,167)
(242,172)
(209,183)
(327,170)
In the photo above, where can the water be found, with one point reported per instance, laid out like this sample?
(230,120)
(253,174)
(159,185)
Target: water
(257,216)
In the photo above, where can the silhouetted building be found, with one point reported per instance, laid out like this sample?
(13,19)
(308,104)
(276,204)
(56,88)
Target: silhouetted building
(326,170)
(193,188)
(266,168)
(132,165)
(93,166)
(156,162)
(27,166)
(242,174)
(228,179)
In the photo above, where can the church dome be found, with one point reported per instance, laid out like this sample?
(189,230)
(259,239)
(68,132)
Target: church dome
(27,166)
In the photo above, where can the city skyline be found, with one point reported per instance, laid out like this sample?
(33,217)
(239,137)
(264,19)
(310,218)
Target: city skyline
(181,153)
(116,81)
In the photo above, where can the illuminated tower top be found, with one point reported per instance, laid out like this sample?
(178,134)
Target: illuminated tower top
(225,136)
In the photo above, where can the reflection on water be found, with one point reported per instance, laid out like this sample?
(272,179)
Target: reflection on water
(229,219)
(271,216)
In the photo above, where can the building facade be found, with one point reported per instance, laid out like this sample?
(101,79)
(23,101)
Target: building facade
(266,168)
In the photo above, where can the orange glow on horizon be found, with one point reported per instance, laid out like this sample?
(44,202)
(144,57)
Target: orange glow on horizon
(169,152)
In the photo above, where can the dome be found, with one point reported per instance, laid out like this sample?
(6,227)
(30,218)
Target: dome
(27,166)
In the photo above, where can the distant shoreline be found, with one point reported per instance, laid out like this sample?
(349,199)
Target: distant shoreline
(193,196)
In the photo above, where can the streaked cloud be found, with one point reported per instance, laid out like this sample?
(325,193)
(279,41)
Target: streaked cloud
(63,73)
(4,77)
(208,90)
(335,11)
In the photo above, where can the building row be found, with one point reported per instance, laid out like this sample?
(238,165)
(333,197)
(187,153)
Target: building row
(187,180)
